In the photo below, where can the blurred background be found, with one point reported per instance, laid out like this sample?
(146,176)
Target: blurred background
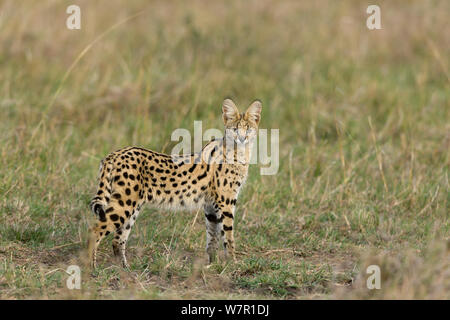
(364,143)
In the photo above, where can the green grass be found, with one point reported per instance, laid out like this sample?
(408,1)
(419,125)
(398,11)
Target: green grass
(364,145)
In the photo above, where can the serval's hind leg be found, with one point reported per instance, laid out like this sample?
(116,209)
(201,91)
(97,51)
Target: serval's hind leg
(121,238)
(97,233)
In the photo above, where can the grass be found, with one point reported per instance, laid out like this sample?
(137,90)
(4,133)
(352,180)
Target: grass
(364,145)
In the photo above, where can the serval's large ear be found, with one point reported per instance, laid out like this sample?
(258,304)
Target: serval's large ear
(230,112)
(253,113)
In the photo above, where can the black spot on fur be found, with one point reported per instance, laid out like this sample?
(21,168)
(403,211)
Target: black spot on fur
(213,218)
(200,177)
(228,214)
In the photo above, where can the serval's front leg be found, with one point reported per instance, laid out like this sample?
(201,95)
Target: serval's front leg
(213,227)
(227,230)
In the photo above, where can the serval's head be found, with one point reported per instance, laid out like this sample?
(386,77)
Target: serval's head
(241,127)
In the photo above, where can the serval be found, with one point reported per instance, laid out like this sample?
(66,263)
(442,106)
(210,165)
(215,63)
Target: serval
(211,179)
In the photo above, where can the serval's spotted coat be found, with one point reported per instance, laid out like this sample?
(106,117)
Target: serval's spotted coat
(132,177)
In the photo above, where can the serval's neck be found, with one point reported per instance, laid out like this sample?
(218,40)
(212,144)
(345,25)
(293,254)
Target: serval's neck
(235,153)
(221,151)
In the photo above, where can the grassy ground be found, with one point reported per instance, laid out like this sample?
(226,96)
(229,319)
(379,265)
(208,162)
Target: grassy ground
(364,144)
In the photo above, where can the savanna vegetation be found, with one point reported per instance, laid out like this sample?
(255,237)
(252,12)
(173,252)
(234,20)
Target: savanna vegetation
(364,144)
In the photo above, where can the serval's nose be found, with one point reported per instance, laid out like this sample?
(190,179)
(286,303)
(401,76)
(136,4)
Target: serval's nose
(241,138)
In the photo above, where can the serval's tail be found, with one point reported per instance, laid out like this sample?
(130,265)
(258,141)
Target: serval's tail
(103,195)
